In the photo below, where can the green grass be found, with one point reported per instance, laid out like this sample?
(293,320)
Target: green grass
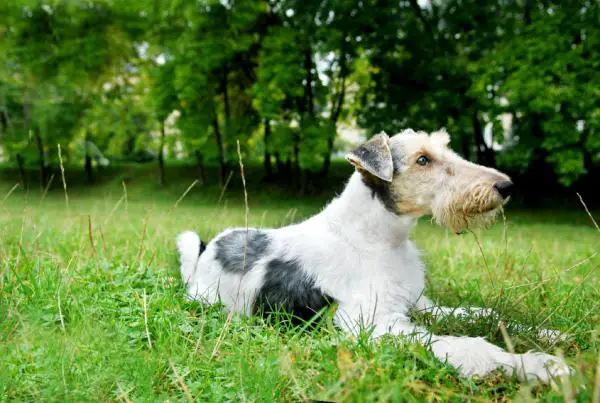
(94,260)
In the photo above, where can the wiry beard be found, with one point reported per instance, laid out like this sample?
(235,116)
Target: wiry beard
(477,208)
(459,221)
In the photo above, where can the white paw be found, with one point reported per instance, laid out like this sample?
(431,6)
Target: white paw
(553,335)
(540,366)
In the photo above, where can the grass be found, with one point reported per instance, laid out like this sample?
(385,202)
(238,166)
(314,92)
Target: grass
(92,307)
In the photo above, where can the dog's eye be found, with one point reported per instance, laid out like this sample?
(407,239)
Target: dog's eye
(423,160)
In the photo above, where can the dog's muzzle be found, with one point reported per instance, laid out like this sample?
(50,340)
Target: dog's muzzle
(504,188)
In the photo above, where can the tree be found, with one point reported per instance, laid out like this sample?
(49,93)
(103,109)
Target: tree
(514,82)
(59,56)
(211,46)
(544,75)
(278,84)
(164,100)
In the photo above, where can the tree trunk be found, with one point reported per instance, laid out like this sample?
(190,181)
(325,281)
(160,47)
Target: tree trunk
(327,157)
(279,164)
(267,162)
(478,137)
(3,121)
(161,155)
(485,154)
(89,173)
(219,140)
(226,105)
(304,178)
(297,169)
(39,143)
(527,12)
(200,167)
(287,168)
(465,147)
(21,164)
(414,4)
(539,174)
(225,84)
(309,107)
(337,110)
(337,103)
(588,160)
(308,90)
(41,158)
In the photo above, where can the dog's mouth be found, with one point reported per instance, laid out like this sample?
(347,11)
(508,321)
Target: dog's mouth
(472,209)
(495,208)
(478,209)
(482,219)
(460,222)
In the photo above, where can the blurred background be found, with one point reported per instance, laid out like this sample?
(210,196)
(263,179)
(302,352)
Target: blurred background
(164,89)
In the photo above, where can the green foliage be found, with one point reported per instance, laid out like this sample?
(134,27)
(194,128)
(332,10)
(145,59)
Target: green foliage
(280,73)
(58,58)
(544,74)
(113,71)
(313,144)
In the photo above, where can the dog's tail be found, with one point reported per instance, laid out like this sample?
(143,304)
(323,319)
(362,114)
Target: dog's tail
(190,248)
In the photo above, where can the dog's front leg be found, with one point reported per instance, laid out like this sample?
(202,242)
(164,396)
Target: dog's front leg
(425,306)
(470,355)
(476,356)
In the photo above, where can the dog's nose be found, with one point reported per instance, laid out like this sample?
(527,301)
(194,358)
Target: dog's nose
(505,188)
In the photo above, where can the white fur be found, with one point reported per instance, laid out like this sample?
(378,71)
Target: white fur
(188,245)
(359,253)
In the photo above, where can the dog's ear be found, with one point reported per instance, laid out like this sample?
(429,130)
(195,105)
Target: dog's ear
(374,157)
(441,136)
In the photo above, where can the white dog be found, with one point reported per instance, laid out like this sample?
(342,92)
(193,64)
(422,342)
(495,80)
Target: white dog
(357,252)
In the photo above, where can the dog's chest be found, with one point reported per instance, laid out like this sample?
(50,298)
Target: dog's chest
(374,272)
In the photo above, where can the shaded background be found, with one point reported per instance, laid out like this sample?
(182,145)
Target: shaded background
(174,84)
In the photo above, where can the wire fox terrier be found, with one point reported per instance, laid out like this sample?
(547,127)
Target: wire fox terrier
(357,253)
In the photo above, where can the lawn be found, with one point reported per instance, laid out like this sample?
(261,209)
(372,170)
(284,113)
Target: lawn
(92,307)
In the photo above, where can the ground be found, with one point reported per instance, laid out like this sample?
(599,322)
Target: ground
(92,306)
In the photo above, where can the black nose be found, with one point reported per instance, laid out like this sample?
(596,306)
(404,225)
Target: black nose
(505,188)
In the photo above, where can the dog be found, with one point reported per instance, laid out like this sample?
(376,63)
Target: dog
(356,253)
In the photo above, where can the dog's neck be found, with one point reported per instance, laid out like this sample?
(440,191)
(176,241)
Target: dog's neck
(358,213)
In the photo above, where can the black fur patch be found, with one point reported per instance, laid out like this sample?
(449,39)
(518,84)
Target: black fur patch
(381,190)
(231,249)
(202,248)
(288,288)
(398,160)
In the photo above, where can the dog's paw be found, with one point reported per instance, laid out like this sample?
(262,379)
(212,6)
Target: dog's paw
(543,367)
(553,335)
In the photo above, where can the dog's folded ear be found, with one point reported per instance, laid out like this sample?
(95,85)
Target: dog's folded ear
(374,157)
(441,136)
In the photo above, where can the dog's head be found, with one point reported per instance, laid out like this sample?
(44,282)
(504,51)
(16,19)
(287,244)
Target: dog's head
(415,173)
